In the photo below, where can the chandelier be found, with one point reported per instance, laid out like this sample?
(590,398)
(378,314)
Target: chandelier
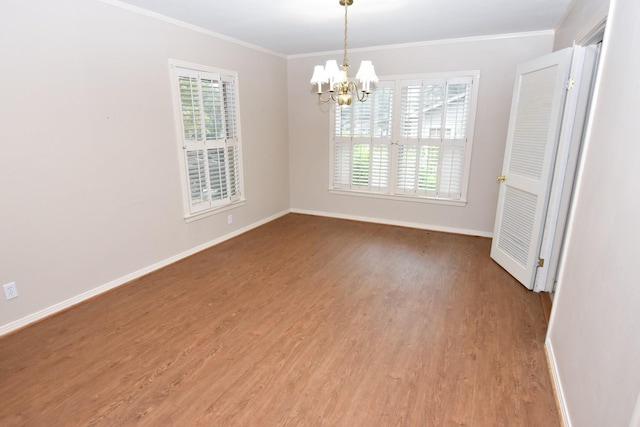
(340,88)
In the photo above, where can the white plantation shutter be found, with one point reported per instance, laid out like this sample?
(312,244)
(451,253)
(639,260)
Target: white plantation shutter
(362,142)
(210,138)
(434,120)
(341,164)
(190,107)
(412,138)
(232,141)
(197,177)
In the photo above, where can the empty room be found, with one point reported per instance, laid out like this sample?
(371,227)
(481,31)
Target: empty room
(319,213)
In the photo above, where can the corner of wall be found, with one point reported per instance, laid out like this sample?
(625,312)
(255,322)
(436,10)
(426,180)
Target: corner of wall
(557,384)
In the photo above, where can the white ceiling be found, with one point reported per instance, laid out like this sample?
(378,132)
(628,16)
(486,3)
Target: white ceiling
(305,26)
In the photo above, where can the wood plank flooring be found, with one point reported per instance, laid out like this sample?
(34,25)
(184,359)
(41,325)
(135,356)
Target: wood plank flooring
(305,321)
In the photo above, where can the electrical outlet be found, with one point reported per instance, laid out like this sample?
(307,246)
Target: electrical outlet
(229,219)
(10,290)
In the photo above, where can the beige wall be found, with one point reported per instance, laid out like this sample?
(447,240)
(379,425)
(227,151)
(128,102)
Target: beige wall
(594,335)
(309,130)
(89,179)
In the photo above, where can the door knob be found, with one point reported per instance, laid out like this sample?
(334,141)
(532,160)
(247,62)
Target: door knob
(501,178)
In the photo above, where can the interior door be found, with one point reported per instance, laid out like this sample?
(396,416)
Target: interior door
(534,127)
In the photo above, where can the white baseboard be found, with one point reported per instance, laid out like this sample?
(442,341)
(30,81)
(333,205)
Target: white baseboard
(397,223)
(553,367)
(56,308)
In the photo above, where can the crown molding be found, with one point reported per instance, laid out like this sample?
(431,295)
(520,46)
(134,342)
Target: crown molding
(430,43)
(177,22)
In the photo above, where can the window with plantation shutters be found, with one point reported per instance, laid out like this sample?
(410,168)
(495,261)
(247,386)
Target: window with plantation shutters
(434,117)
(362,142)
(210,143)
(412,138)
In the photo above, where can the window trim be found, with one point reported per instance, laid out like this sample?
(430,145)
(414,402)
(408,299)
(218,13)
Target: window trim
(190,216)
(395,138)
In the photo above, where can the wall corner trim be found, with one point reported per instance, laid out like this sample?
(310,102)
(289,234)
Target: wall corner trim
(557,384)
(63,305)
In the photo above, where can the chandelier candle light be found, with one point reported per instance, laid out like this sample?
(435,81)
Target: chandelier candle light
(340,88)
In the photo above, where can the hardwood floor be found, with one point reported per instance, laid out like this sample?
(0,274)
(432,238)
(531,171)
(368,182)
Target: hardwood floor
(545,300)
(306,321)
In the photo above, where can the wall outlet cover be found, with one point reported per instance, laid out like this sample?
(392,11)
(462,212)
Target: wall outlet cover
(10,290)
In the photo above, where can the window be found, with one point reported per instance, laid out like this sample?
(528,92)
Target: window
(362,142)
(207,112)
(411,138)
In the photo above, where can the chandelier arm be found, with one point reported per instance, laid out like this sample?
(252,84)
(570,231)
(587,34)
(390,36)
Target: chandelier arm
(360,96)
(328,99)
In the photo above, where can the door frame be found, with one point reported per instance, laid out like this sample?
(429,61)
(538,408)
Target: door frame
(577,104)
(574,133)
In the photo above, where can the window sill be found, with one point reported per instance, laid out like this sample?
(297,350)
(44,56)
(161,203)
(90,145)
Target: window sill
(213,211)
(414,199)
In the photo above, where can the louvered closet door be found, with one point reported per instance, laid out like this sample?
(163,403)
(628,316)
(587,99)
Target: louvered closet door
(534,127)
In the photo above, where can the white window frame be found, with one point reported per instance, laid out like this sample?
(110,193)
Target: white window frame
(230,146)
(392,192)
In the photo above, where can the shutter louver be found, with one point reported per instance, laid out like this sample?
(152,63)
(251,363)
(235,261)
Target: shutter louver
(383,114)
(457,110)
(410,107)
(451,170)
(428,169)
(380,167)
(196,171)
(362,119)
(407,160)
(212,106)
(341,165)
(432,111)
(228,88)
(361,164)
(217,174)
(234,172)
(343,122)
(190,106)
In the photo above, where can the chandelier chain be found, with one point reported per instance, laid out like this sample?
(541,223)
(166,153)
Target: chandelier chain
(345,61)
